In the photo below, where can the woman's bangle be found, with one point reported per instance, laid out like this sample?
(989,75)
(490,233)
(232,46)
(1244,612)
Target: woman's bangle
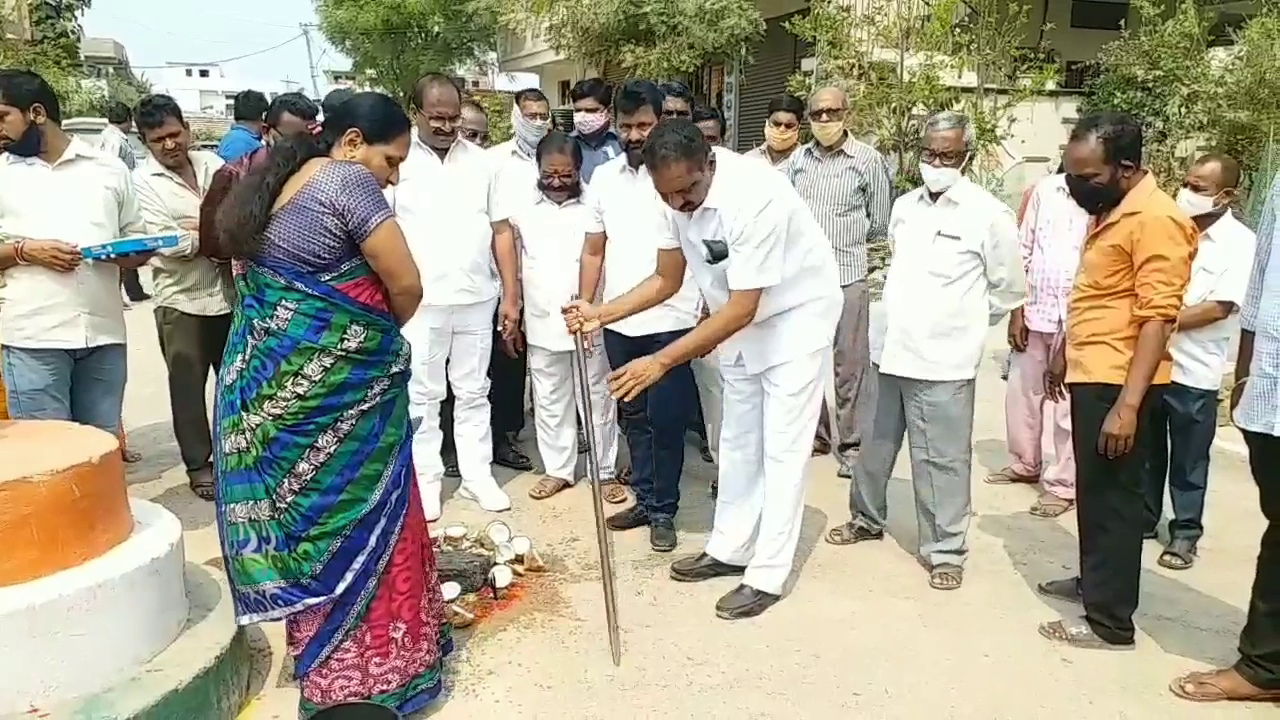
(19,253)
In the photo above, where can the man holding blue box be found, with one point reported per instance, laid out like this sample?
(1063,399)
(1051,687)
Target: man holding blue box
(62,342)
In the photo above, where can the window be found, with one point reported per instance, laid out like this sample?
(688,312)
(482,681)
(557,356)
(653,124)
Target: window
(204,73)
(562,89)
(1091,15)
(188,72)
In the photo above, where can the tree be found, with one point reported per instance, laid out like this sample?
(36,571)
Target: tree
(1159,71)
(1247,117)
(901,61)
(54,53)
(394,42)
(659,39)
(497,106)
(879,54)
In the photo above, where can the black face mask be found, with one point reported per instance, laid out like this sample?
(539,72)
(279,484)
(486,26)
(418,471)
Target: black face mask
(574,189)
(28,144)
(1095,199)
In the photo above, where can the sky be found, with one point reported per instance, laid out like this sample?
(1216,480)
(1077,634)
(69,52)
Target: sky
(154,32)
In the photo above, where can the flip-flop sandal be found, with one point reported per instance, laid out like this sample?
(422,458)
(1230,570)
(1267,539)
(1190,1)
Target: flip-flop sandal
(1077,634)
(852,532)
(1203,687)
(946,577)
(1178,555)
(624,476)
(548,486)
(131,456)
(614,493)
(1051,506)
(1067,589)
(1008,477)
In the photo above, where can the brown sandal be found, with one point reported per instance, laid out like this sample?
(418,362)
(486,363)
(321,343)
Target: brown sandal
(548,486)
(614,493)
(130,456)
(1049,505)
(1008,477)
(1208,687)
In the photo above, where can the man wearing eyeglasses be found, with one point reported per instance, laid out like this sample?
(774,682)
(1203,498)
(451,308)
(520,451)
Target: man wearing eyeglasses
(474,126)
(846,184)
(956,271)
(443,204)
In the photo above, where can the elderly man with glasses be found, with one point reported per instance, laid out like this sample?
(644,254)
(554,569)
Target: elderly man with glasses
(956,271)
(846,184)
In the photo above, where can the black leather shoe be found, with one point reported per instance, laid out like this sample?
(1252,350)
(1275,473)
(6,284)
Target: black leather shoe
(705,451)
(662,535)
(507,454)
(702,566)
(451,467)
(629,519)
(744,601)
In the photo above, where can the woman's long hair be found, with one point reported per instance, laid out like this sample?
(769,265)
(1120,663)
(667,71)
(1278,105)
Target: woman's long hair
(244,215)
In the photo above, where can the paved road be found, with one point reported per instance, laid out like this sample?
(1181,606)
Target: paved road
(860,631)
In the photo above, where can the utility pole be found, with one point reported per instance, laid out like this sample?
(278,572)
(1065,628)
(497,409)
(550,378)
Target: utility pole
(311,59)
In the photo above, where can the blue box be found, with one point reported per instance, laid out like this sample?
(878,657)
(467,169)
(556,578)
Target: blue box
(129,246)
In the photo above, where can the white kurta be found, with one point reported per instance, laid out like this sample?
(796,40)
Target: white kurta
(775,369)
(551,240)
(444,208)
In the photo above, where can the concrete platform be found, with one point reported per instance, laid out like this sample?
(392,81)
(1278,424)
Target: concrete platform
(85,629)
(203,675)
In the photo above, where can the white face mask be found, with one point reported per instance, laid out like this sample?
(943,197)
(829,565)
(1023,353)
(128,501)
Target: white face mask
(939,179)
(1194,204)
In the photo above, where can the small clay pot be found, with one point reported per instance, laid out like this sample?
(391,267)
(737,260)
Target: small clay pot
(357,711)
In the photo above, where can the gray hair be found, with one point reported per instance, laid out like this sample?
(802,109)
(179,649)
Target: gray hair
(950,120)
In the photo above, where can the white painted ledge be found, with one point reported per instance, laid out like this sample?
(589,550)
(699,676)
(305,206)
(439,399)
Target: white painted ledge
(82,630)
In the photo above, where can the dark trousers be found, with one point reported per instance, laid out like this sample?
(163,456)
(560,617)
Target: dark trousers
(1110,509)
(506,396)
(192,346)
(1260,640)
(132,285)
(1188,420)
(654,423)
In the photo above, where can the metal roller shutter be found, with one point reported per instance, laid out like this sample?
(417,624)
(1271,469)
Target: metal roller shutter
(763,78)
(615,76)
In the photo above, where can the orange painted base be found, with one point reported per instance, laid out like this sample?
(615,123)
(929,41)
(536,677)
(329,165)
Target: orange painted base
(62,497)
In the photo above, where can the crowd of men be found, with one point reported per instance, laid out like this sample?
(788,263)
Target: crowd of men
(1121,305)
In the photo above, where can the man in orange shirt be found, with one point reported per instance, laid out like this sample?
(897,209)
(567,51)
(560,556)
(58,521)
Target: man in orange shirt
(1134,270)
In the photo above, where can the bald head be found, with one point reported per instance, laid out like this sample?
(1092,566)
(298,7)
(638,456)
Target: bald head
(435,84)
(1223,171)
(829,97)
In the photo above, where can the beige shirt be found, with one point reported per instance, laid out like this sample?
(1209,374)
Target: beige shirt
(182,279)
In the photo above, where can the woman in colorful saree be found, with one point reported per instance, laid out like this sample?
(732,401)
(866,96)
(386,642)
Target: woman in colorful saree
(318,510)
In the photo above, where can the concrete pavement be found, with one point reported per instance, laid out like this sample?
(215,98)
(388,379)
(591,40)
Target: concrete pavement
(859,635)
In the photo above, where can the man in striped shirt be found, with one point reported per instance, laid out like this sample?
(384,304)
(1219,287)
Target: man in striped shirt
(846,184)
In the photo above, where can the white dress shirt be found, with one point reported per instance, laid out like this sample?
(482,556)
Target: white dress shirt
(182,279)
(84,198)
(637,224)
(444,210)
(956,271)
(1220,272)
(551,240)
(774,244)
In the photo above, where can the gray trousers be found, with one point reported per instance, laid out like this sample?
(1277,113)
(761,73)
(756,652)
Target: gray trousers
(192,347)
(852,354)
(936,419)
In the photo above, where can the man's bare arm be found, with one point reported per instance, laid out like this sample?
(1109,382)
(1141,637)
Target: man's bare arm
(592,265)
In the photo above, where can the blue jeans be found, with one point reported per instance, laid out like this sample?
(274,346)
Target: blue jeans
(85,386)
(654,423)
(1190,416)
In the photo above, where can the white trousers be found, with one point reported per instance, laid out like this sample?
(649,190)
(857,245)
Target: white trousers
(463,336)
(765,443)
(706,372)
(553,375)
